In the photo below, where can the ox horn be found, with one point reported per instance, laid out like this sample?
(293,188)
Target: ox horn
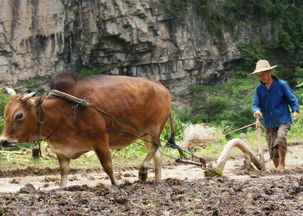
(10,91)
(28,96)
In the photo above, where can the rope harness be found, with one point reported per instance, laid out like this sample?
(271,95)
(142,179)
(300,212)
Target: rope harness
(81,103)
(36,151)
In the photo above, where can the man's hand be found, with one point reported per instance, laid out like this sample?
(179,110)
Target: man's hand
(258,114)
(296,116)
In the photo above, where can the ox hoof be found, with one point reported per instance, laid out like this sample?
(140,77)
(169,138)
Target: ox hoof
(116,183)
(280,168)
(143,176)
(158,182)
(114,188)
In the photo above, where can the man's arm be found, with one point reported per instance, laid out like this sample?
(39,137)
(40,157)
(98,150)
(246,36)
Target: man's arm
(292,100)
(256,105)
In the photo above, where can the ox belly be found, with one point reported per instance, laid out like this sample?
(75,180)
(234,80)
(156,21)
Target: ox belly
(71,151)
(119,140)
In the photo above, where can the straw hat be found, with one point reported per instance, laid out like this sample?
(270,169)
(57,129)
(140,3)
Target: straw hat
(263,65)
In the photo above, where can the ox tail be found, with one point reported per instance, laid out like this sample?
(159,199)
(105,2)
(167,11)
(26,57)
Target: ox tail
(171,140)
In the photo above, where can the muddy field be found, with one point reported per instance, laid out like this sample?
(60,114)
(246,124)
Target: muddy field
(184,191)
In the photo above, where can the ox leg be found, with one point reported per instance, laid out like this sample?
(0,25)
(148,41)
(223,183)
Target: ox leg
(158,165)
(64,167)
(154,153)
(105,158)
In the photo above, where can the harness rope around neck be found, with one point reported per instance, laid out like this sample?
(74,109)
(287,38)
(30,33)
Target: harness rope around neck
(36,151)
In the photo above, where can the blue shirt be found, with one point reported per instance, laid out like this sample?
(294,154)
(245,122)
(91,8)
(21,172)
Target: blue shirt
(274,102)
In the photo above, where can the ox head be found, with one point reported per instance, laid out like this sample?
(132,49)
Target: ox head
(20,119)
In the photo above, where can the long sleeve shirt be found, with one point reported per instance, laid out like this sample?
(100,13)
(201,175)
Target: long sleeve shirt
(274,102)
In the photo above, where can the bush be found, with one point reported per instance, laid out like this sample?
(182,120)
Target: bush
(224,105)
(295,132)
(3,101)
(90,72)
(175,7)
(250,54)
(298,75)
(286,42)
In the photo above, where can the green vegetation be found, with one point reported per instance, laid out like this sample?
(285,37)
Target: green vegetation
(176,7)
(87,71)
(295,134)
(132,151)
(34,83)
(299,77)
(3,102)
(225,105)
(90,72)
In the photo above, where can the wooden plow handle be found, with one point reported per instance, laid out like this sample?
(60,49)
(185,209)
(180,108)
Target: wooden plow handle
(261,152)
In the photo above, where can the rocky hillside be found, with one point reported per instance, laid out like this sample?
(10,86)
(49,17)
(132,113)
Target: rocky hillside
(149,38)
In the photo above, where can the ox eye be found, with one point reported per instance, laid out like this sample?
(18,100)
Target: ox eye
(18,116)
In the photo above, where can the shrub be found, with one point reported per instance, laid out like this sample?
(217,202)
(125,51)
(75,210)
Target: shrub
(286,42)
(3,101)
(296,129)
(224,105)
(90,72)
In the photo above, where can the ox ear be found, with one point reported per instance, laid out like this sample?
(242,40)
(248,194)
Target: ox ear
(28,96)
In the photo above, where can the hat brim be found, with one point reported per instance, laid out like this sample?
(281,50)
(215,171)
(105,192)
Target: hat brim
(264,69)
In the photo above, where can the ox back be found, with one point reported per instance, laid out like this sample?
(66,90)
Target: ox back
(138,101)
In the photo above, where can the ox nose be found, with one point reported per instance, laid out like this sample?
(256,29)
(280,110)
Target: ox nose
(4,143)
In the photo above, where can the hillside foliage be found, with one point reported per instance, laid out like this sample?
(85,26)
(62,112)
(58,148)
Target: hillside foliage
(228,104)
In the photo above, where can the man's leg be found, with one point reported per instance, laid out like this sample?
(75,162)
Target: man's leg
(282,152)
(281,143)
(276,156)
(271,134)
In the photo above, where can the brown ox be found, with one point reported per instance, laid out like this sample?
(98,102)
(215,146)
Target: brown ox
(138,101)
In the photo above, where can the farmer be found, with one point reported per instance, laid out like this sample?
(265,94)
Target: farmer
(272,99)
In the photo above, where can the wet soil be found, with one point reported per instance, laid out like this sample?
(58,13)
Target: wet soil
(183,191)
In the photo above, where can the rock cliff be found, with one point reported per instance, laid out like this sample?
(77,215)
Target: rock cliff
(129,37)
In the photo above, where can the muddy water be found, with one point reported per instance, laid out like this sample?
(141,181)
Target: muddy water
(184,191)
